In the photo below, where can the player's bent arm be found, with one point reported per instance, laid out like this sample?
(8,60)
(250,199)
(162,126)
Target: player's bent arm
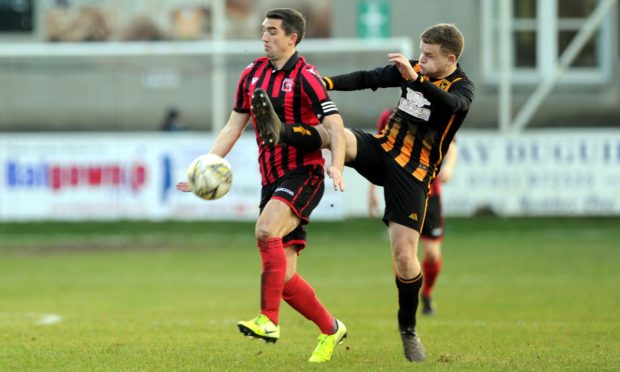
(334,126)
(229,135)
(448,163)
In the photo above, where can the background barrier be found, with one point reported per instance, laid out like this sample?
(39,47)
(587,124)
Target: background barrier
(63,176)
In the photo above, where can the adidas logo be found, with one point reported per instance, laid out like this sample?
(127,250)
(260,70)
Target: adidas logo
(414,216)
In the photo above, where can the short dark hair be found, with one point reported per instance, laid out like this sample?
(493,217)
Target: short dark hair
(447,36)
(293,22)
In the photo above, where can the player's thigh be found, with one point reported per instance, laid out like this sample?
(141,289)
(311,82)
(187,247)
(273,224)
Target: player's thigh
(404,241)
(405,198)
(292,197)
(369,158)
(350,142)
(276,219)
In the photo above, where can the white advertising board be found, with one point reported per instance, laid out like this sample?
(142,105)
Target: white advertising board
(540,172)
(124,176)
(93,176)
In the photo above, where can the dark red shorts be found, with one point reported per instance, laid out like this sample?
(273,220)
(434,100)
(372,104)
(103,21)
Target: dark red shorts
(302,190)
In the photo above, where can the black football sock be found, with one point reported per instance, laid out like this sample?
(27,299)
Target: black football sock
(304,137)
(408,292)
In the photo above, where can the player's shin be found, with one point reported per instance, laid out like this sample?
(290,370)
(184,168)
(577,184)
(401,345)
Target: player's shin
(302,297)
(408,293)
(272,276)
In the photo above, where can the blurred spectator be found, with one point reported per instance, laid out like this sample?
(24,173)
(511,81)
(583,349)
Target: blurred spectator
(171,121)
(82,24)
(191,22)
(143,28)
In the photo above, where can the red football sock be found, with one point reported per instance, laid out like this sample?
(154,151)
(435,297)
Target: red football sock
(272,277)
(300,295)
(430,271)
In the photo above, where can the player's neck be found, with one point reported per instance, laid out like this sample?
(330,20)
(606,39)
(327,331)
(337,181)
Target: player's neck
(281,61)
(447,72)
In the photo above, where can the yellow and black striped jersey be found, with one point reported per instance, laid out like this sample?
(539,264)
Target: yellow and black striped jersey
(429,112)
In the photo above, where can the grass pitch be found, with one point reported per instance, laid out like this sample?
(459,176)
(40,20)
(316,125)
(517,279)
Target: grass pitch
(514,294)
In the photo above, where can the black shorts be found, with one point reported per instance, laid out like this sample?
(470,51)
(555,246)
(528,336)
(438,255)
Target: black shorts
(302,190)
(405,196)
(433,221)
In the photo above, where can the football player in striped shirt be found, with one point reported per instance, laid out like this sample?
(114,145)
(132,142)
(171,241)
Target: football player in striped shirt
(435,97)
(282,86)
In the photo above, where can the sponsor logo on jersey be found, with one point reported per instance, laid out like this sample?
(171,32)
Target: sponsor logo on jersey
(414,105)
(287,85)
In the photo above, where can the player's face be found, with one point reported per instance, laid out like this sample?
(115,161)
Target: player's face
(434,62)
(276,42)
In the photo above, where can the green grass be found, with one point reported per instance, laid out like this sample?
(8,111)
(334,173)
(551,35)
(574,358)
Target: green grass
(514,294)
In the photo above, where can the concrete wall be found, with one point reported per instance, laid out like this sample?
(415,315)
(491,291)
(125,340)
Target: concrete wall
(91,94)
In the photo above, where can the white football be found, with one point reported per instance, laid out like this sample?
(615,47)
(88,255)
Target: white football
(209,176)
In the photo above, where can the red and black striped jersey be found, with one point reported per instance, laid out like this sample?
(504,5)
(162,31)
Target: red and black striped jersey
(298,96)
(428,114)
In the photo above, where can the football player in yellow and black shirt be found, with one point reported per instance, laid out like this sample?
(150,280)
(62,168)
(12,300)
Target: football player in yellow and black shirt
(435,99)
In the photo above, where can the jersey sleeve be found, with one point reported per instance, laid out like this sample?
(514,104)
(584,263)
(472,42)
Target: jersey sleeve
(315,91)
(380,77)
(242,101)
(457,99)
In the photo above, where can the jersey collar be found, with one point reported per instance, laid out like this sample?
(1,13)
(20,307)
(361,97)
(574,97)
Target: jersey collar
(288,66)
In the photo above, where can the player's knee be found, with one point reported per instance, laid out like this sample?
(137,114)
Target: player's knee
(263,232)
(431,254)
(403,259)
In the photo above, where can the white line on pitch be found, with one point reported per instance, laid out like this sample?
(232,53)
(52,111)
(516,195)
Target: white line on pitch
(47,319)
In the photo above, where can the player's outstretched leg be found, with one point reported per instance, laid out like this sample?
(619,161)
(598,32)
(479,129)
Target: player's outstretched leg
(327,343)
(268,124)
(260,327)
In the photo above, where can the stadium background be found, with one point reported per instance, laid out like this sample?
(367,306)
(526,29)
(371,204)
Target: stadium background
(104,266)
(67,100)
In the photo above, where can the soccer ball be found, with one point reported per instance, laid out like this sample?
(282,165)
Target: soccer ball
(209,176)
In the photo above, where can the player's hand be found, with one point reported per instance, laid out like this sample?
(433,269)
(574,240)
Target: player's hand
(336,175)
(444,176)
(403,65)
(183,186)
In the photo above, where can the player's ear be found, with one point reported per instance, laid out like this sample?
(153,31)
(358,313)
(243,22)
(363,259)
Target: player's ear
(294,38)
(451,59)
